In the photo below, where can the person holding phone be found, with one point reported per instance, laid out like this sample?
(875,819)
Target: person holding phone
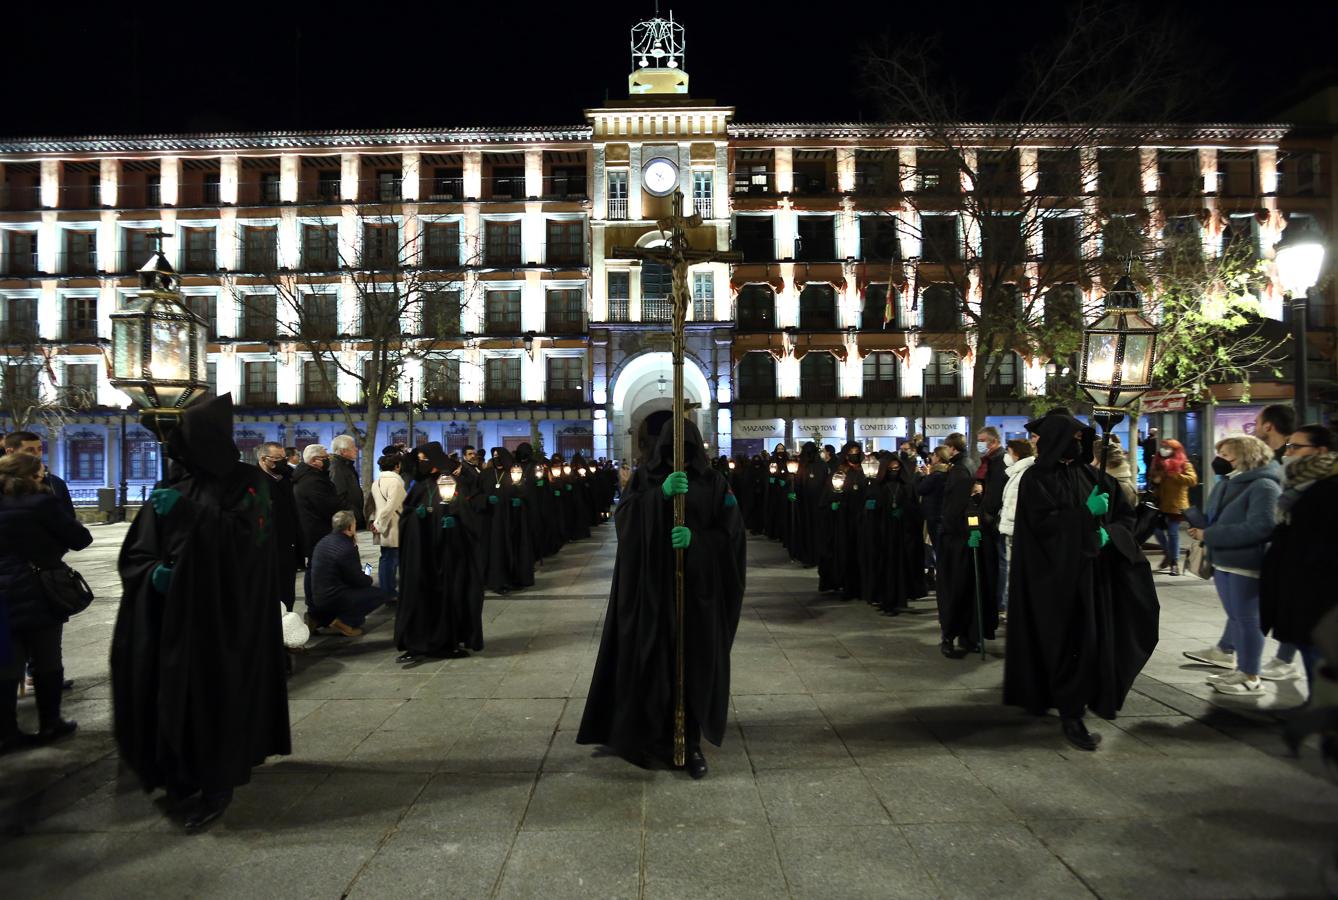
(342,593)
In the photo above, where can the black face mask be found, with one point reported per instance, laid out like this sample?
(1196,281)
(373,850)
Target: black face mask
(1071,449)
(1221,467)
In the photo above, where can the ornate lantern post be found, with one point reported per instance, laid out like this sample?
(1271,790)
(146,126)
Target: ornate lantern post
(159,351)
(1118,353)
(1299,257)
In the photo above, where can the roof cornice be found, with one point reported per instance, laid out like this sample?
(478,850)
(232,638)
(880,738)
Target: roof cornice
(1009,130)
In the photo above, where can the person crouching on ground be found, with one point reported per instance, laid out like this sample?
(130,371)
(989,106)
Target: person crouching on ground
(341,591)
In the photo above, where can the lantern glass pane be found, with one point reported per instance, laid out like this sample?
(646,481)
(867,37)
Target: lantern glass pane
(1100,368)
(128,342)
(1137,360)
(170,359)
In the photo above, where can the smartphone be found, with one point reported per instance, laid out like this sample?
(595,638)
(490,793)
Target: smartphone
(367,569)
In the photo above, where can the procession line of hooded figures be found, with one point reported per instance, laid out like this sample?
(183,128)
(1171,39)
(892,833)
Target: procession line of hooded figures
(198,662)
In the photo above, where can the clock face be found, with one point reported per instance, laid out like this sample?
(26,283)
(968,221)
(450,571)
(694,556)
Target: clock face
(660,176)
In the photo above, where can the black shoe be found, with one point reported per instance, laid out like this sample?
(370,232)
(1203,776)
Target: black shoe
(57,730)
(1078,735)
(951,652)
(67,684)
(696,765)
(177,797)
(458,653)
(406,657)
(210,808)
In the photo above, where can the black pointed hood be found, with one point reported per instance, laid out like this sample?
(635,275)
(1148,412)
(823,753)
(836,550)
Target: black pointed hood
(1056,431)
(203,441)
(694,455)
(436,456)
(524,453)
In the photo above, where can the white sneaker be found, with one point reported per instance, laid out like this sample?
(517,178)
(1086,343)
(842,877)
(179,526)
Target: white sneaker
(1237,684)
(1219,676)
(1213,656)
(1277,670)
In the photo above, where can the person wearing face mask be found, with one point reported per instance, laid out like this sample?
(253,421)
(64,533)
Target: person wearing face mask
(288,545)
(957,569)
(1241,515)
(893,564)
(1171,476)
(1083,610)
(992,475)
(1018,458)
(840,518)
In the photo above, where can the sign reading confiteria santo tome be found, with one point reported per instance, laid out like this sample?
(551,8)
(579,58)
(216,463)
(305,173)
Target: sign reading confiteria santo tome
(758,428)
(893,427)
(822,431)
(942,427)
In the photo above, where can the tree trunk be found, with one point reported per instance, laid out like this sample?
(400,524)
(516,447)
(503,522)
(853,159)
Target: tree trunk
(980,379)
(368,447)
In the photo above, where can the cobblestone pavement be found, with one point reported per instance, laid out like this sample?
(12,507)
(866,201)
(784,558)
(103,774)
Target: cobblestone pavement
(858,763)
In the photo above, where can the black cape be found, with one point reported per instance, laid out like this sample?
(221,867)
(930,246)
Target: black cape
(631,701)
(1082,619)
(893,571)
(839,553)
(199,691)
(960,568)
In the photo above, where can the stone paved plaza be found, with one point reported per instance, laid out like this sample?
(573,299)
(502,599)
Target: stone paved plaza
(858,763)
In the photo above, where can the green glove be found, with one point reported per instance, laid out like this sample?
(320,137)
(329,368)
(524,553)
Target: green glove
(680,537)
(163,499)
(771,481)
(515,501)
(569,487)
(676,483)
(896,512)
(420,512)
(974,540)
(792,496)
(836,505)
(448,522)
(161,579)
(538,482)
(1105,536)
(870,504)
(557,493)
(1098,504)
(492,499)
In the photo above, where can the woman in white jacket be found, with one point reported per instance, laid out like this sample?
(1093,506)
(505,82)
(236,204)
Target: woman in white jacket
(1018,458)
(388,492)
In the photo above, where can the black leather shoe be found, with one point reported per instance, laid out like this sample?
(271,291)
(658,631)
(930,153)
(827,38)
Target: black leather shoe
(948,650)
(210,808)
(406,657)
(1078,735)
(54,732)
(695,764)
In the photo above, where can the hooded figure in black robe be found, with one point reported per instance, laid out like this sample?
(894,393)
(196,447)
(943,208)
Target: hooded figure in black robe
(778,504)
(892,566)
(840,517)
(1083,611)
(631,702)
(199,688)
(441,593)
(960,564)
(808,486)
(758,475)
(504,525)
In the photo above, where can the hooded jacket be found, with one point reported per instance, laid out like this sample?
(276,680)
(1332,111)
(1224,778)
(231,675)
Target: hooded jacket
(1241,511)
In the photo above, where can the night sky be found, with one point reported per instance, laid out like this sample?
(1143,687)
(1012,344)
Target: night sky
(130,67)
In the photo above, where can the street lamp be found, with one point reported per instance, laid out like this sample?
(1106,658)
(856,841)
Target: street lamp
(159,351)
(1118,352)
(1299,257)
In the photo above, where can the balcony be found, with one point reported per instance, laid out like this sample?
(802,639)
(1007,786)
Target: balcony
(23,263)
(566,395)
(1001,390)
(378,259)
(761,248)
(657,309)
(558,323)
(258,193)
(258,259)
(383,190)
(504,256)
(494,325)
(442,394)
(566,253)
(618,209)
(22,332)
(499,395)
(881,390)
(320,261)
(822,249)
(505,187)
(16,196)
(81,329)
(949,391)
(445,190)
(192,260)
(749,182)
(80,262)
(618,309)
(566,187)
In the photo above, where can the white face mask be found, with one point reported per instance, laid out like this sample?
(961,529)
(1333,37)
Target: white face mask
(1165,451)
(982,448)
(1009,462)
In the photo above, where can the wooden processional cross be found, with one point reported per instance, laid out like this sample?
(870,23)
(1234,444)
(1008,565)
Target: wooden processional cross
(678,255)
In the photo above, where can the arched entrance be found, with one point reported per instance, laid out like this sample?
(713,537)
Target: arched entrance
(644,386)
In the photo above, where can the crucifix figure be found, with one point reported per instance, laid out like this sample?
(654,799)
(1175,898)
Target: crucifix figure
(678,255)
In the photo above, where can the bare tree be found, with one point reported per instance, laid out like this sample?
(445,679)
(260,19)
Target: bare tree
(21,395)
(408,294)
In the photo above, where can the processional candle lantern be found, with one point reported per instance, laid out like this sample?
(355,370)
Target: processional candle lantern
(870,467)
(517,473)
(792,466)
(838,481)
(446,488)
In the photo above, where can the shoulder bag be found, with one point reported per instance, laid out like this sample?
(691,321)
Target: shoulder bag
(1197,560)
(67,593)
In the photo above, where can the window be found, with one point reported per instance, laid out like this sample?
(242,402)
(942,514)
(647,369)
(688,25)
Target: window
(817,239)
(817,376)
(1062,307)
(1178,172)
(259,317)
(205,306)
(21,252)
(508,183)
(441,381)
(1181,239)
(1121,237)
(380,314)
(566,182)
(878,240)
(80,389)
(87,457)
(320,381)
(269,187)
(757,307)
(211,376)
(81,319)
(1119,173)
(880,308)
(703,296)
(260,248)
(940,376)
(1240,237)
(21,320)
(997,172)
(937,172)
(817,307)
(441,244)
(940,309)
(566,242)
(502,312)
(1058,173)
(320,316)
(262,384)
(200,249)
(153,190)
(939,238)
(620,290)
(657,284)
(1237,174)
(1299,174)
(565,311)
(141,452)
(814,171)
(501,243)
(753,237)
(876,173)
(880,376)
(617,194)
(81,252)
(1001,240)
(566,379)
(757,377)
(380,245)
(447,184)
(329,185)
(1059,238)
(388,185)
(703,189)
(502,380)
(1004,382)
(441,313)
(320,247)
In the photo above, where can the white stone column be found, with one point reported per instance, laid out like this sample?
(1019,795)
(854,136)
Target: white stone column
(290,177)
(784,163)
(409,172)
(1149,176)
(599,278)
(1207,159)
(1089,169)
(107,243)
(48,312)
(289,239)
(169,180)
(906,169)
(634,182)
(1029,169)
(634,294)
(472,174)
(534,173)
(49,185)
(227,239)
(532,302)
(912,378)
(107,301)
(845,169)
(228,178)
(227,309)
(850,376)
(784,229)
(971,158)
(349,172)
(787,301)
(531,378)
(109,177)
(532,245)
(228,381)
(685,176)
(48,240)
(721,186)
(599,196)
(787,377)
(471,373)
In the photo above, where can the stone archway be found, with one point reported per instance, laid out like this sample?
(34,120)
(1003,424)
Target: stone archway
(637,394)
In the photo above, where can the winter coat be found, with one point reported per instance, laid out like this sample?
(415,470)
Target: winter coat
(1241,513)
(348,487)
(35,529)
(388,492)
(930,489)
(1008,513)
(1173,490)
(61,490)
(996,478)
(1295,586)
(1119,468)
(336,567)
(317,503)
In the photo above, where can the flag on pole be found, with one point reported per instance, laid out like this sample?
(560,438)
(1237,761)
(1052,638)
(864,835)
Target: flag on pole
(889,313)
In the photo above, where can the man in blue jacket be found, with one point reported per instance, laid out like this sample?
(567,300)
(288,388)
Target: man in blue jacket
(31,444)
(341,590)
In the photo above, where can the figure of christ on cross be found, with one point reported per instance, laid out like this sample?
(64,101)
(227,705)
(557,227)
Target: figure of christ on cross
(678,255)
